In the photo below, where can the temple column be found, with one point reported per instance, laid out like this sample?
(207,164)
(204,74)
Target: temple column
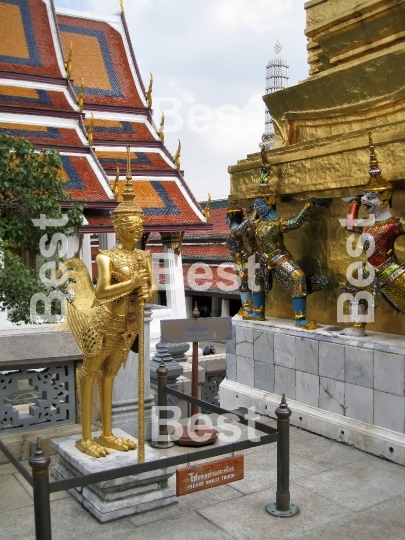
(189,307)
(214,306)
(225,308)
(176,300)
(125,391)
(106,240)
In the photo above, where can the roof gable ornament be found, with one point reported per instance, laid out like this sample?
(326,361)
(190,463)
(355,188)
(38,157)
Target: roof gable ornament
(68,62)
(176,157)
(206,212)
(89,133)
(161,128)
(80,96)
(148,94)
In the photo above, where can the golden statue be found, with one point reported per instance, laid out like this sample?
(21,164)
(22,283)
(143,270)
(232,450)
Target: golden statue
(206,212)
(80,96)
(68,62)
(107,320)
(89,133)
(176,157)
(148,94)
(161,128)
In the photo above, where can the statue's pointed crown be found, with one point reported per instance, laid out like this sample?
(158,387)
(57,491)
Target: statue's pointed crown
(127,207)
(376,182)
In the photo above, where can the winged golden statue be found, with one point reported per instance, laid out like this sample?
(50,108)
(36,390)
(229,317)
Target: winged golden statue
(107,320)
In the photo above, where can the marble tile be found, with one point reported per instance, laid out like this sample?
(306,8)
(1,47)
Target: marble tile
(389,411)
(307,388)
(244,342)
(231,344)
(359,366)
(284,350)
(332,361)
(245,372)
(307,355)
(389,373)
(284,381)
(264,376)
(332,395)
(263,346)
(231,367)
(359,403)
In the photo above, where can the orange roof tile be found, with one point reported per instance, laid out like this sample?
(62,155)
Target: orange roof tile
(43,135)
(104,130)
(139,160)
(33,98)
(81,180)
(101,60)
(26,43)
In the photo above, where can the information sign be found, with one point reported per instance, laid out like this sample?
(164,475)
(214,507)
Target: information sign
(208,475)
(202,329)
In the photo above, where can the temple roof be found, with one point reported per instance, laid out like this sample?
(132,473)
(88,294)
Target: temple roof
(101,57)
(119,131)
(28,35)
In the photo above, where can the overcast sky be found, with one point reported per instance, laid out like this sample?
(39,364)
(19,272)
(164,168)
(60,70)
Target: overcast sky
(208,59)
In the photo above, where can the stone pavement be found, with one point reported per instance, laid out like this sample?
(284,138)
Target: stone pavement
(342,493)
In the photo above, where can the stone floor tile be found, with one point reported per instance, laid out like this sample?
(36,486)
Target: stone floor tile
(188,503)
(18,524)
(380,522)
(246,518)
(188,526)
(12,494)
(358,485)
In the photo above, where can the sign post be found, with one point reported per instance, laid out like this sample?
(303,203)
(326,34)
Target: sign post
(215,328)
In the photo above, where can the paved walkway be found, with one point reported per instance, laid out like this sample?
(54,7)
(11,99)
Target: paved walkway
(342,493)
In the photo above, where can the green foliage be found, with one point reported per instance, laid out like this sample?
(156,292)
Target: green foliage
(30,185)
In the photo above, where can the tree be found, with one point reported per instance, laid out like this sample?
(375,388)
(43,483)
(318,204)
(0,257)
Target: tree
(30,185)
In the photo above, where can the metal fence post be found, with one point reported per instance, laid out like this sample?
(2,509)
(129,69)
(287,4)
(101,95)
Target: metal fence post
(164,441)
(39,463)
(282,507)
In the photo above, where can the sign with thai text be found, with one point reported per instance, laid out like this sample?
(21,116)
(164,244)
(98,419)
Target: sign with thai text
(203,329)
(208,475)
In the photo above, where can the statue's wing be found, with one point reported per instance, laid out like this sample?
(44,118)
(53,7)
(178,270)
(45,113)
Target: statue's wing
(80,285)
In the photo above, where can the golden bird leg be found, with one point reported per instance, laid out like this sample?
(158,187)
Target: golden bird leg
(86,444)
(107,438)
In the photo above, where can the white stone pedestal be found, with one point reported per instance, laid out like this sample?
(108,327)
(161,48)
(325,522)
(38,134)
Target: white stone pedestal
(346,388)
(125,496)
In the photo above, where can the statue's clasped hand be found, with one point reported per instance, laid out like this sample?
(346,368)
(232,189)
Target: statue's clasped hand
(139,279)
(320,202)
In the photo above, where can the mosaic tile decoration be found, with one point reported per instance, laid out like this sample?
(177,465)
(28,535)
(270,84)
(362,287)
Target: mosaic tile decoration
(81,181)
(29,47)
(100,59)
(139,160)
(31,97)
(162,202)
(43,134)
(119,131)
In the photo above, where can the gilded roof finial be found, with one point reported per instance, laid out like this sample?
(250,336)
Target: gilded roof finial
(277,47)
(206,212)
(161,128)
(148,94)
(376,182)
(68,62)
(176,157)
(89,133)
(122,5)
(80,96)
(115,185)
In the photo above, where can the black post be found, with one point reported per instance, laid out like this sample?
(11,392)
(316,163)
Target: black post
(164,441)
(282,507)
(39,463)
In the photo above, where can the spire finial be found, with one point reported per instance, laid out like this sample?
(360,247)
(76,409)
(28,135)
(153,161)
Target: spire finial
(122,5)
(277,47)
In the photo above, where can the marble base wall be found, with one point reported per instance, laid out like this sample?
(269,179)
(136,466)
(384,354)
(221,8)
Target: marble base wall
(359,378)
